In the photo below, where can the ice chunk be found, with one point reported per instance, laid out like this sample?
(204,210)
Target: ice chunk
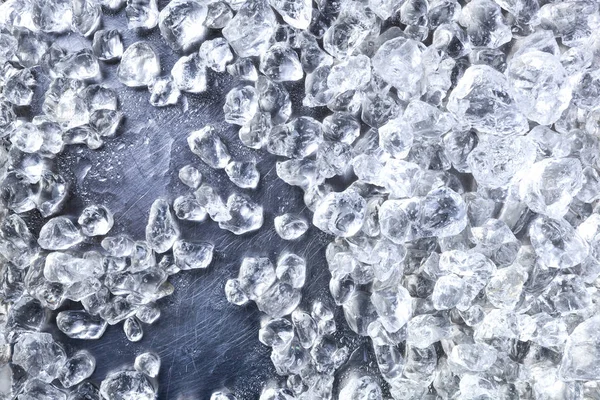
(279,300)
(218,15)
(297,13)
(181,24)
(142,14)
(483,98)
(250,30)
(190,255)
(351,28)
(394,306)
(190,176)
(107,45)
(79,324)
(581,358)
(208,146)
(95,220)
(59,233)
(148,363)
(475,357)
(210,200)
(163,92)
(78,367)
(162,230)
(447,292)
(256,276)
(291,269)
(216,54)
(51,16)
(340,214)
(399,62)
(297,139)
(361,387)
(86,16)
(234,292)
(188,208)
(133,329)
(189,74)
(442,213)
(424,330)
(139,65)
(484,23)
(290,226)
(254,133)
(240,105)
(505,287)
(124,385)
(243,174)
(39,355)
(556,243)
(281,64)
(246,216)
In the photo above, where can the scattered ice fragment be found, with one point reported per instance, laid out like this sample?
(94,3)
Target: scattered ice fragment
(39,355)
(448,292)
(361,387)
(246,216)
(279,300)
(125,385)
(210,200)
(556,243)
(133,329)
(290,226)
(291,269)
(163,92)
(249,31)
(243,69)
(79,324)
(188,208)
(190,255)
(190,176)
(399,62)
(216,54)
(256,276)
(51,16)
(274,99)
(181,24)
(234,293)
(86,16)
(139,65)
(281,64)
(95,220)
(189,74)
(484,99)
(141,14)
(148,363)
(240,105)
(297,139)
(243,174)
(218,15)
(484,23)
(297,13)
(59,233)
(351,74)
(78,367)
(207,145)
(162,230)
(581,360)
(340,214)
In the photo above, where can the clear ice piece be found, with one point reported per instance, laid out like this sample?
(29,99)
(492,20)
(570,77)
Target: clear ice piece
(86,16)
(38,390)
(126,385)
(148,364)
(190,255)
(477,357)
(207,145)
(181,24)
(243,174)
(279,300)
(290,226)
(581,358)
(256,276)
(341,214)
(243,69)
(216,54)
(189,74)
(95,220)
(297,139)
(79,324)
(361,387)
(246,216)
(51,16)
(557,243)
(190,176)
(78,367)
(133,329)
(59,233)
(291,269)
(399,62)
(39,355)
(188,208)
(163,92)
(139,65)
(210,200)
(161,230)
(280,63)
(107,45)
(484,24)
(394,306)
(141,14)
(296,13)
(484,99)
(250,30)
(218,15)
(240,105)
(234,292)
(447,292)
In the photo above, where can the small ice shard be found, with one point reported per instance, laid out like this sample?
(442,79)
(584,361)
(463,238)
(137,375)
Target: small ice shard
(86,16)
(243,174)
(148,363)
(78,368)
(280,63)
(207,145)
(79,324)
(189,74)
(291,269)
(133,329)
(107,45)
(181,24)
(163,92)
(340,214)
(290,226)
(126,385)
(557,243)
(297,13)
(246,216)
(188,208)
(240,105)
(190,255)
(39,355)
(398,62)
(162,230)
(190,176)
(210,200)
(95,220)
(141,14)
(59,233)
(218,15)
(216,54)
(256,276)
(581,357)
(234,292)
(249,31)
(139,65)
(279,300)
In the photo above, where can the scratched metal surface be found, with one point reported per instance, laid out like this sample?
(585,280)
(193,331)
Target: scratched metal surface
(204,342)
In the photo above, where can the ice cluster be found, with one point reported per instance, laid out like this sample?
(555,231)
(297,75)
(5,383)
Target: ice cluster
(449,149)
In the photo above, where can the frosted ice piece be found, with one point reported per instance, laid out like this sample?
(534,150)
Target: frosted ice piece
(484,99)
(442,214)
(95,220)
(495,161)
(133,329)
(39,355)
(540,86)
(305,328)
(188,208)
(395,138)
(78,367)
(161,230)
(361,387)
(505,287)
(452,39)
(118,246)
(581,358)
(207,145)
(359,312)
(557,243)
(290,226)
(124,385)
(139,65)
(243,174)
(190,176)
(574,21)
(86,16)
(303,173)
(384,8)
(256,276)
(51,16)
(243,69)
(394,306)
(297,139)
(394,220)
(68,269)
(251,28)
(341,127)
(18,87)
(210,200)
(349,31)
(80,65)
(341,214)
(141,14)
(427,121)
(351,74)
(63,102)
(246,216)
(218,15)
(399,62)
(240,105)
(296,13)
(59,233)
(190,255)
(79,324)
(189,74)
(425,330)
(148,364)
(216,54)
(291,269)
(17,244)
(447,292)
(277,333)
(37,390)
(401,178)
(484,23)
(550,185)
(181,24)
(476,357)
(279,300)
(281,64)
(255,132)
(234,292)
(27,138)
(148,313)
(163,92)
